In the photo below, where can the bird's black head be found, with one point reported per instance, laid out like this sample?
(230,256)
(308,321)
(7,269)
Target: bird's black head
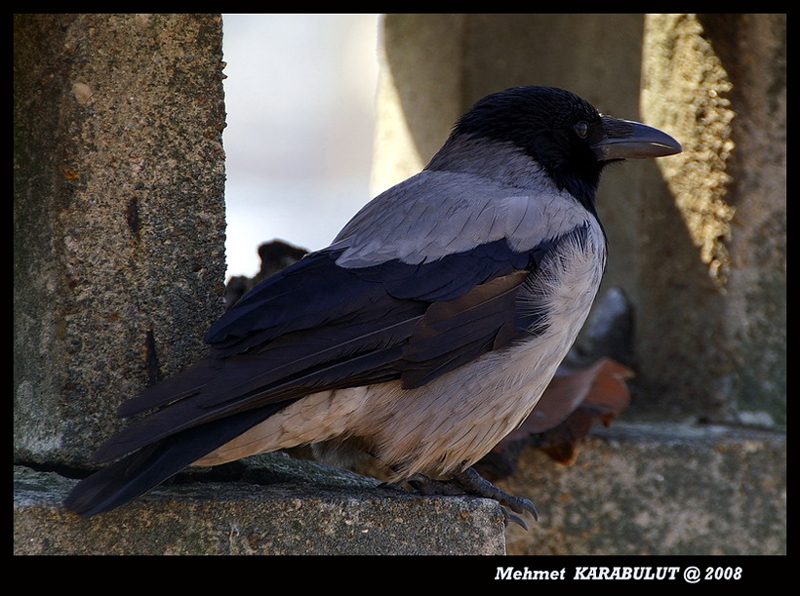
(565,134)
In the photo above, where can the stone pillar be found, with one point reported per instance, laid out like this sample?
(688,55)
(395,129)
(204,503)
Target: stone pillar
(712,335)
(118,216)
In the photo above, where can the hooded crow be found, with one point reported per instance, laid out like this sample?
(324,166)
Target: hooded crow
(425,333)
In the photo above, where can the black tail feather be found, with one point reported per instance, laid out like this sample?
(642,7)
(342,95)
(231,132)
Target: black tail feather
(137,473)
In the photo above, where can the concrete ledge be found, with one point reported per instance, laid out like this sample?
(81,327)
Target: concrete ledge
(338,517)
(663,489)
(660,489)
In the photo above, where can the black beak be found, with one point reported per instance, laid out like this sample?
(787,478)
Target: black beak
(631,140)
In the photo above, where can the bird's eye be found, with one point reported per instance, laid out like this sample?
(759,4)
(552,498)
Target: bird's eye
(581,129)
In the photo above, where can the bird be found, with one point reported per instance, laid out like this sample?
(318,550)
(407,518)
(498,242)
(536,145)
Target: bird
(422,335)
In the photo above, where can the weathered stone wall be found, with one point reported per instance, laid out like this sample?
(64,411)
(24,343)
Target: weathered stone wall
(119,218)
(713,337)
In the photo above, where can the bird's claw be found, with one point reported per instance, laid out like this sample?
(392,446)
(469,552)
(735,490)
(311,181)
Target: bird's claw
(510,517)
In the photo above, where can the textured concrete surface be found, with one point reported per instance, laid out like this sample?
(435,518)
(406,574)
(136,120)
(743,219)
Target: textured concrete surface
(303,510)
(635,489)
(712,259)
(119,216)
(660,489)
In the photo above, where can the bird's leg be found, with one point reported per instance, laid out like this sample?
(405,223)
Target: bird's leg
(469,482)
(428,486)
(475,484)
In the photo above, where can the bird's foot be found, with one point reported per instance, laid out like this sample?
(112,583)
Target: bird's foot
(469,482)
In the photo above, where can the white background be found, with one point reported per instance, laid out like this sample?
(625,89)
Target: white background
(299,96)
